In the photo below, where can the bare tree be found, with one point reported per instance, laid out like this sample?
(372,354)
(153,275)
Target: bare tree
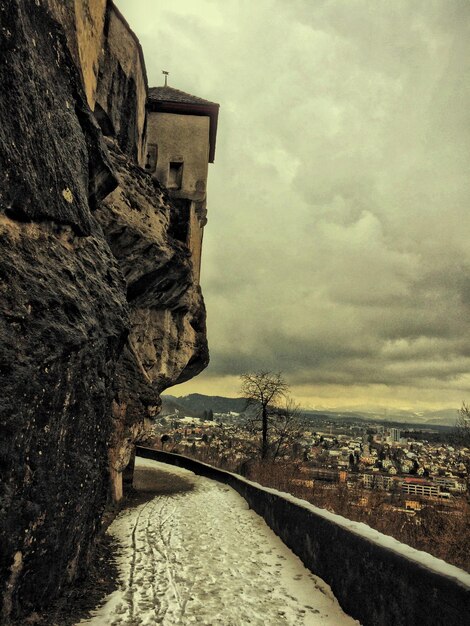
(463,425)
(462,432)
(285,426)
(263,391)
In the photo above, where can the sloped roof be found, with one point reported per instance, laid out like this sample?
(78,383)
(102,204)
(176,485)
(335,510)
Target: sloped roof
(169,100)
(170,94)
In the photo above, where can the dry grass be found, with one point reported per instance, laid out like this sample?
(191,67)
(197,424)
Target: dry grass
(437,529)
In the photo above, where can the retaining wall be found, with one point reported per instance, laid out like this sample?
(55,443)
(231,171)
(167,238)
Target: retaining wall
(377,580)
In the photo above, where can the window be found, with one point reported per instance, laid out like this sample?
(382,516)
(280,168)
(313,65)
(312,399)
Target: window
(152,156)
(175,175)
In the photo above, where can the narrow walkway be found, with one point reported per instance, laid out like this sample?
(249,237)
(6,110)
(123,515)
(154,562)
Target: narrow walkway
(196,554)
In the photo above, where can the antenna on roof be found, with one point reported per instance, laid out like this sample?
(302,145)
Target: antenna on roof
(165,73)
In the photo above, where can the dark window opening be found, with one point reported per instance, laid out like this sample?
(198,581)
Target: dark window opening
(179,220)
(175,175)
(152,156)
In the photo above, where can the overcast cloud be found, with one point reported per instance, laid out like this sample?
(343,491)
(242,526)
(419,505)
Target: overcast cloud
(337,248)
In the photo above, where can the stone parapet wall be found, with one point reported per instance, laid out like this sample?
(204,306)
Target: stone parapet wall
(376,579)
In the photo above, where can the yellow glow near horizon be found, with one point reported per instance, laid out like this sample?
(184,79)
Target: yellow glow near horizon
(371,397)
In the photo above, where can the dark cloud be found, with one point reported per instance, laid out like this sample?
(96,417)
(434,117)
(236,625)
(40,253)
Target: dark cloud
(337,244)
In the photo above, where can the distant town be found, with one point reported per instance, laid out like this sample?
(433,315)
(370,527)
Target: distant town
(389,459)
(361,469)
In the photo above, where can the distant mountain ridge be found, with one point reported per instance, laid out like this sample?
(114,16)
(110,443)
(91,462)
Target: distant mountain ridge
(443,417)
(195,404)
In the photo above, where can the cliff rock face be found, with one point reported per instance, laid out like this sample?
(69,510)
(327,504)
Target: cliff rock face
(121,94)
(168,332)
(98,310)
(167,339)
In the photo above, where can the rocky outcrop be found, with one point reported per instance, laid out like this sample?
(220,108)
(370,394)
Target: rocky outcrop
(111,64)
(98,310)
(64,316)
(83,23)
(168,329)
(167,339)
(121,94)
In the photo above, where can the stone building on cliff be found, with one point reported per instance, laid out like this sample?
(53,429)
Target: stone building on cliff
(181,137)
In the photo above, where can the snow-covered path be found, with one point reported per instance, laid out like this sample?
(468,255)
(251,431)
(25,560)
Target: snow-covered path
(196,554)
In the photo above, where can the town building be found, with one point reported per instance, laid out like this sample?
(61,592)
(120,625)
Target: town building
(394,435)
(449,482)
(378,481)
(420,487)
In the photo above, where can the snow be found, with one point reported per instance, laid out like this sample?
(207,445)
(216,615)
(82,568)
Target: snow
(390,543)
(196,554)
(366,532)
(187,420)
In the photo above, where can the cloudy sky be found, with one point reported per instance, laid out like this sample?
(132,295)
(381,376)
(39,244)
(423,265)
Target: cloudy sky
(338,242)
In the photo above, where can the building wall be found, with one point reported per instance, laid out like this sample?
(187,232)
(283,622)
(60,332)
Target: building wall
(420,490)
(186,138)
(195,241)
(183,139)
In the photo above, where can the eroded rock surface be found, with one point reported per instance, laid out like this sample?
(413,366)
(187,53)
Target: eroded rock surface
(168,321)
(98,307)
(167,340)
(63,317)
